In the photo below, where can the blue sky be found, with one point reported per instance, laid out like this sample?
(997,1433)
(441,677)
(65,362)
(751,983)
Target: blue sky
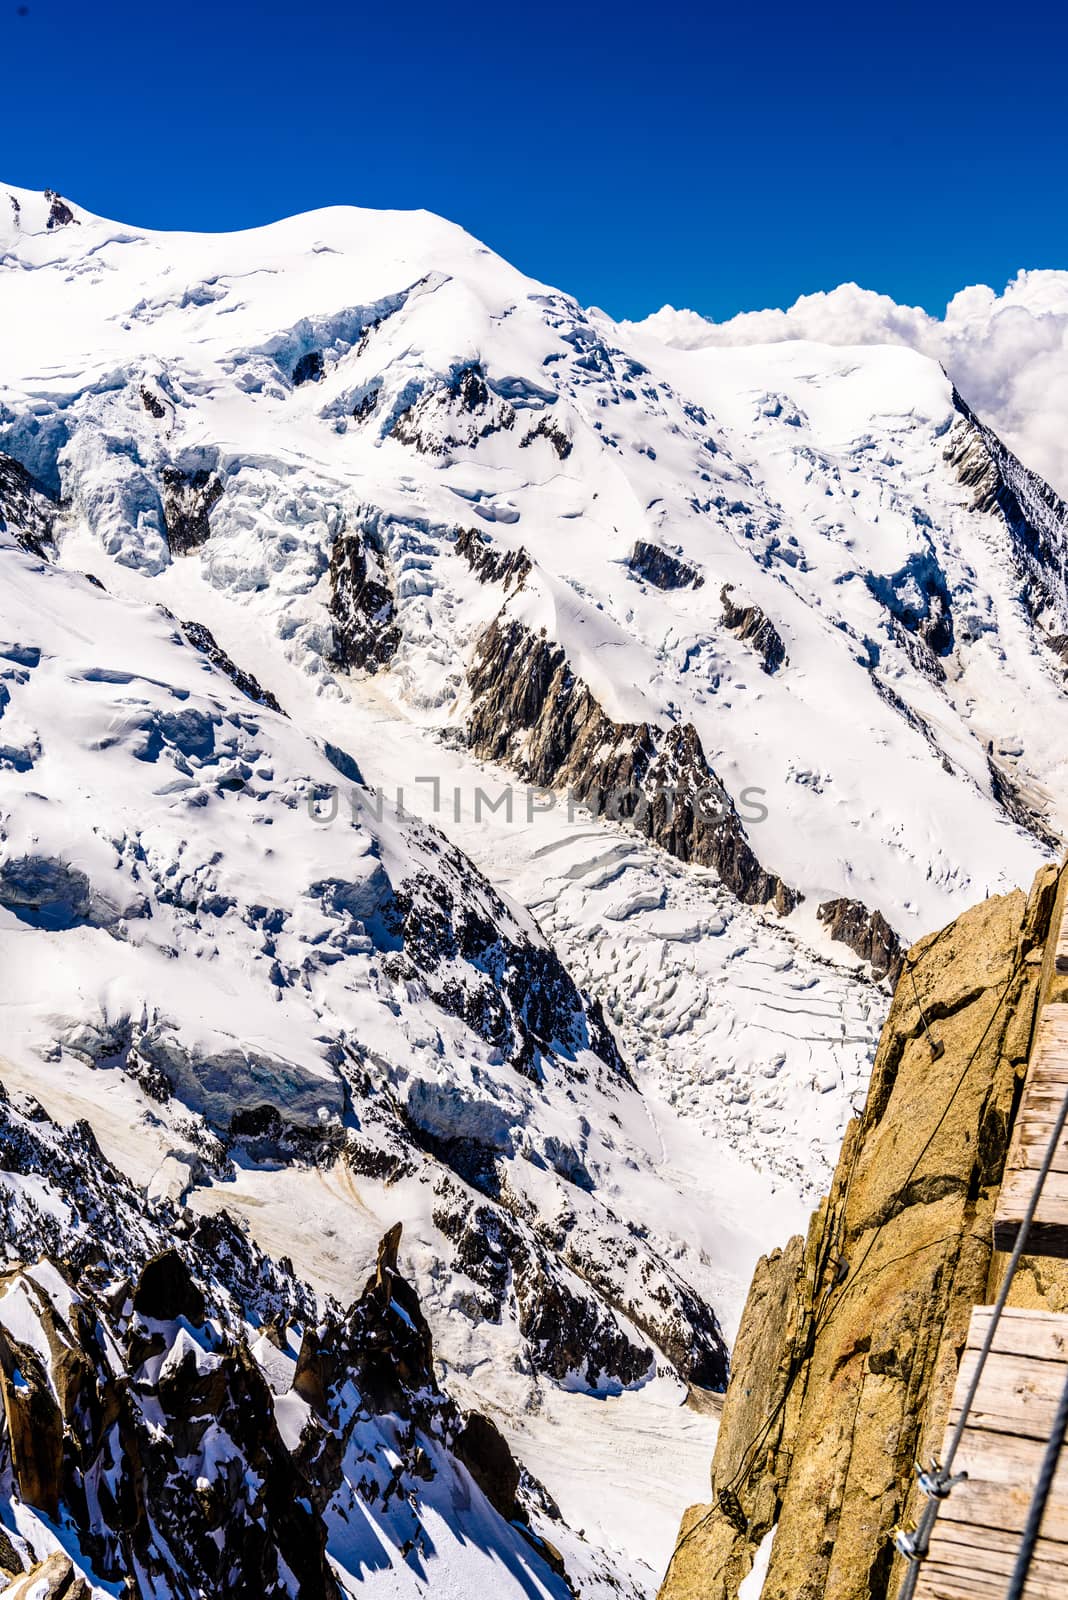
(701,155)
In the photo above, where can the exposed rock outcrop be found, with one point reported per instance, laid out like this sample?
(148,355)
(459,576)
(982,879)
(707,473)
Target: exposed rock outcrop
(546,428)
(362,606)
(141,1412)
(660,568)
(753,626)
(152,403)
(514,994)
(508,567)
(27,511)
(1013,800)
(1035,516)
(847,1353)
(60,214)
(455,414)
(309,368)
(202,639)
(564,1286)
(54,1578)
(530,711)
(188,498)
(867,933)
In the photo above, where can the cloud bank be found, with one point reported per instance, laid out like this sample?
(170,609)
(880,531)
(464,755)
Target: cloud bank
(1007,353)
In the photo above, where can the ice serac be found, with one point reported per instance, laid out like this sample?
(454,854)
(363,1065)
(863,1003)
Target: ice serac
(847,1354)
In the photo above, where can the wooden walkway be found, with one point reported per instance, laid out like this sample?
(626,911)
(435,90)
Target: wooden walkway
(977,1535)
(1043,1094)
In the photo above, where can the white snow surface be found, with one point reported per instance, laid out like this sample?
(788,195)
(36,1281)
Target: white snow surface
(1007,351)
(174,809)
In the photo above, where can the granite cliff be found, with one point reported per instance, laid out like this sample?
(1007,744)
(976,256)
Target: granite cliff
(849,1344)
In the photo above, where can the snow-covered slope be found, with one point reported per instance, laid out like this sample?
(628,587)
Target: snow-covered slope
(261,991)
(1007,351)
(718,672)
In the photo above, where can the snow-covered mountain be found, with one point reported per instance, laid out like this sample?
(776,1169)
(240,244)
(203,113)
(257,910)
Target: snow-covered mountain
(469,764)
(1007,351)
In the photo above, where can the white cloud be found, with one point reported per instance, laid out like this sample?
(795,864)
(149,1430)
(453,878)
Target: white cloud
(1007,353)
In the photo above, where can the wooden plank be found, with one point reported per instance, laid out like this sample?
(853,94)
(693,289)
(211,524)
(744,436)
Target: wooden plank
(1021,1332)
(997,1508)
(959,1563)
(1017,1394)
(1018,1186)
(1006,1459)
(1049,1231)
(1061,959)
(976,1537)
(1045,1089)
(939,1582)
(1002,1546)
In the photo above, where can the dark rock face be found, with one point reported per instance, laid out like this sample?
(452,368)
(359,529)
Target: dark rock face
(457,414)
(188,498)
(531,712)
(153,404)
(867,933)
(514,994)
(27,512)
(104,1221)
(918,598)
(1035,516)
(59,212)
(563,1285)
(309,369)
(484,1451)
(754,627)
(155,1502)
(202,639)
(546,428)
(382,1351)
(165,1290)
(661,569)
(361,605)
(1015,804)
(570,1334)
(508,567)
